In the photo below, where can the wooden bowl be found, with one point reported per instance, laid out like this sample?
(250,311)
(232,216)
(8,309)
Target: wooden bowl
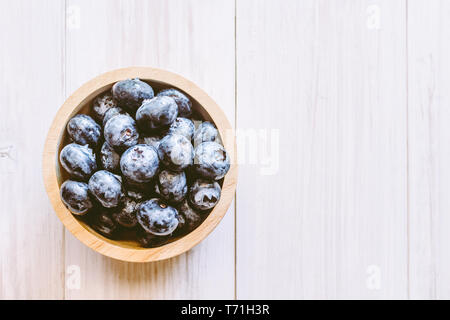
(54,175)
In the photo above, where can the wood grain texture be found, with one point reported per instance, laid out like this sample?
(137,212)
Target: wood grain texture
(196,40)
(429,148)
(31,249)
(332,220)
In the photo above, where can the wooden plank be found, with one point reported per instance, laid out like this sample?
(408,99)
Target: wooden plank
(31,89)
(330,220)
(196,40)
(429,148)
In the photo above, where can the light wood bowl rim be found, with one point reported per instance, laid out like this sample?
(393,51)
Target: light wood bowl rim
(50,162)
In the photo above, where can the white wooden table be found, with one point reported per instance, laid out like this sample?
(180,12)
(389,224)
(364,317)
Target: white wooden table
(346,105)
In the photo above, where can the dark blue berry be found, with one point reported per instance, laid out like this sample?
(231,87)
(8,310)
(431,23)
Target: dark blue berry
(109,158)
(176,152)
(206,132)
(106,188)
(148,240)
(75,196)
(152,140)
(139,163)
(102,104)
(103,223)
(125,215)
(204,194)
(183,102)
(139,191)
(157,218)
(182,126)
(188,218)
(121,132)
(211,160)
(78,161)
(172,185)
(130,93)
(114,111)
(156,114)
(84,130)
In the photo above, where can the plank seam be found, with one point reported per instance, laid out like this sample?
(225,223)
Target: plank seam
(408,219)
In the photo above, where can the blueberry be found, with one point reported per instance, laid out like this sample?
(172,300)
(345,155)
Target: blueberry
(78,161)
(121,132)
(102,104)
(103,223)
(183,102)
(125,215)
(189,219)
(135,194)
(206,132)
(148,240)
(176,152)
(182,126)
(157,218)
(109,158)
(139,191)
(172,185)
(211,160)
(150,140)
(204,194)
(75,196)
(106,188)
(156,114)
(112,113)
(131,93)
(84,130)
(139,163)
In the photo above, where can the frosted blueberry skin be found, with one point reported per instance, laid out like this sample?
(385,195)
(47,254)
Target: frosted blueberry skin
(206,132)
(148,240)
(102,104)
(121,132)
(125,215)
(78,161)
(130,93)
(182,126)
(84,130)
(156,114)
(188,218)
(103,223)
(204,194)
(172,185)
(139,163)
(211,161)
(157,218)
(106,188)
(152,141)
(182,101)
(135,194)
(75,196)
(139,191)
(112,113)
(176,152)
(109,158)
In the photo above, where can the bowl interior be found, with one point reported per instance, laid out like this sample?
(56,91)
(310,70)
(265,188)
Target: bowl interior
(127,241)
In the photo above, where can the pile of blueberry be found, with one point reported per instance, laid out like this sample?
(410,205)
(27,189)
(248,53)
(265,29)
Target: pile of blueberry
(139,168)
